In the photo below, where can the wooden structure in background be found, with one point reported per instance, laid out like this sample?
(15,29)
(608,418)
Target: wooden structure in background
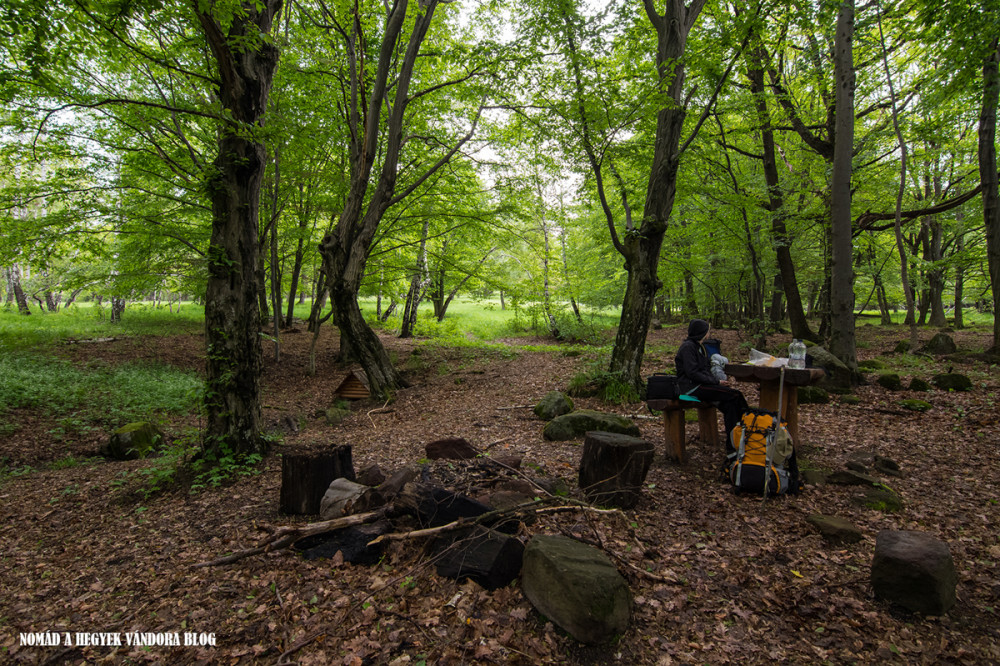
(354,387)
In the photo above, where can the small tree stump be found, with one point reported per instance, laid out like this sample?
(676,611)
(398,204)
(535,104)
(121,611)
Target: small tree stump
(613,468)
(306,475)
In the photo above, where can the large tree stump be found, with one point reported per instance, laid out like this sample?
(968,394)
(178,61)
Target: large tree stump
(306,475)
(613,468)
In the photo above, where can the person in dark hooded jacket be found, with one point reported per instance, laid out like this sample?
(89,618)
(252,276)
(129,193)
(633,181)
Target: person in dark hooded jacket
(695,378)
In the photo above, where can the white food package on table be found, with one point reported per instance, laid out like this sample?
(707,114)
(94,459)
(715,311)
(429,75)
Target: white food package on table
(763,358)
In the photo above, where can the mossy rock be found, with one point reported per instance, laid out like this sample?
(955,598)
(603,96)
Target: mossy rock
(901,347)
(915,405)
(871,364)
(134,440)
(880,498)
(336,414)
(918,384)
(890,380)
(940,345)
(952,382)
(813,395)
(850,399)
(575,424)
(553,404)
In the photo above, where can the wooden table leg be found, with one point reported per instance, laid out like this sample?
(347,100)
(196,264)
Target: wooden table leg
(789,406)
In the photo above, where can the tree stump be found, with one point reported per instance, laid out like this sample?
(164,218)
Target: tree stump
(306,475)
(613,468)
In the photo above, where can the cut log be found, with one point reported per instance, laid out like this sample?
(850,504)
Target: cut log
(354,543)
(305,477)
(488,557)
(613,468)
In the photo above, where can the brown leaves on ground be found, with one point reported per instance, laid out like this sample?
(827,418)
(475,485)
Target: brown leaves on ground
(731,579)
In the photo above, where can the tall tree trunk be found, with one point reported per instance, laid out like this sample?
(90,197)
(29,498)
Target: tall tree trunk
(897,225)
(988,178)
(787,278)
(842,334)
(296,269)
(418,284)
(960,280)
(232,309)
(19,296)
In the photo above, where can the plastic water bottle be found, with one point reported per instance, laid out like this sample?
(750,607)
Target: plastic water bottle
(797,354)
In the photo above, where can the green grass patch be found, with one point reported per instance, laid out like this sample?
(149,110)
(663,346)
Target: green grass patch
(79,396)
(87,320)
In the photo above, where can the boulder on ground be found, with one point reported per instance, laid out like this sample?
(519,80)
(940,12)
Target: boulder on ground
(451,448)
(901,347)
(577,587)
(940,345)
(345,497)
(834,529)
(575,424)
(813,477)
(918,384)
(890,380)
(552,405)
(915,405)
(838,375)
(813,395)
(952,381)
(914,570)
(880,498)
(134,440)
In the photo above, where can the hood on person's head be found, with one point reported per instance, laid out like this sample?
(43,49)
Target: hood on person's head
(698,328)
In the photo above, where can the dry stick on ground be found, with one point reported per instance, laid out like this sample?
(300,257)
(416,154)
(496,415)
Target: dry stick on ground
(286,536)
(462,523)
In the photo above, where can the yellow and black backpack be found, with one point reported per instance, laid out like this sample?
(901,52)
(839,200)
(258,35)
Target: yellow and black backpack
(761,457)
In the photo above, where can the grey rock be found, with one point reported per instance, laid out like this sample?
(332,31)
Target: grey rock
(577,587)
(834,529)
(914,570)
(552,405)
(838,375)
(575,424)
(813,477)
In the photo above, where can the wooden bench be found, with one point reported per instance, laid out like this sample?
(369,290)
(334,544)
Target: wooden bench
(673,424)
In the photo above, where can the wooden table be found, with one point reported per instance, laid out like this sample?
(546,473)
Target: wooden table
(769,379)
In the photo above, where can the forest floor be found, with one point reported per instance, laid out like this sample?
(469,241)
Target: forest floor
(730,579)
